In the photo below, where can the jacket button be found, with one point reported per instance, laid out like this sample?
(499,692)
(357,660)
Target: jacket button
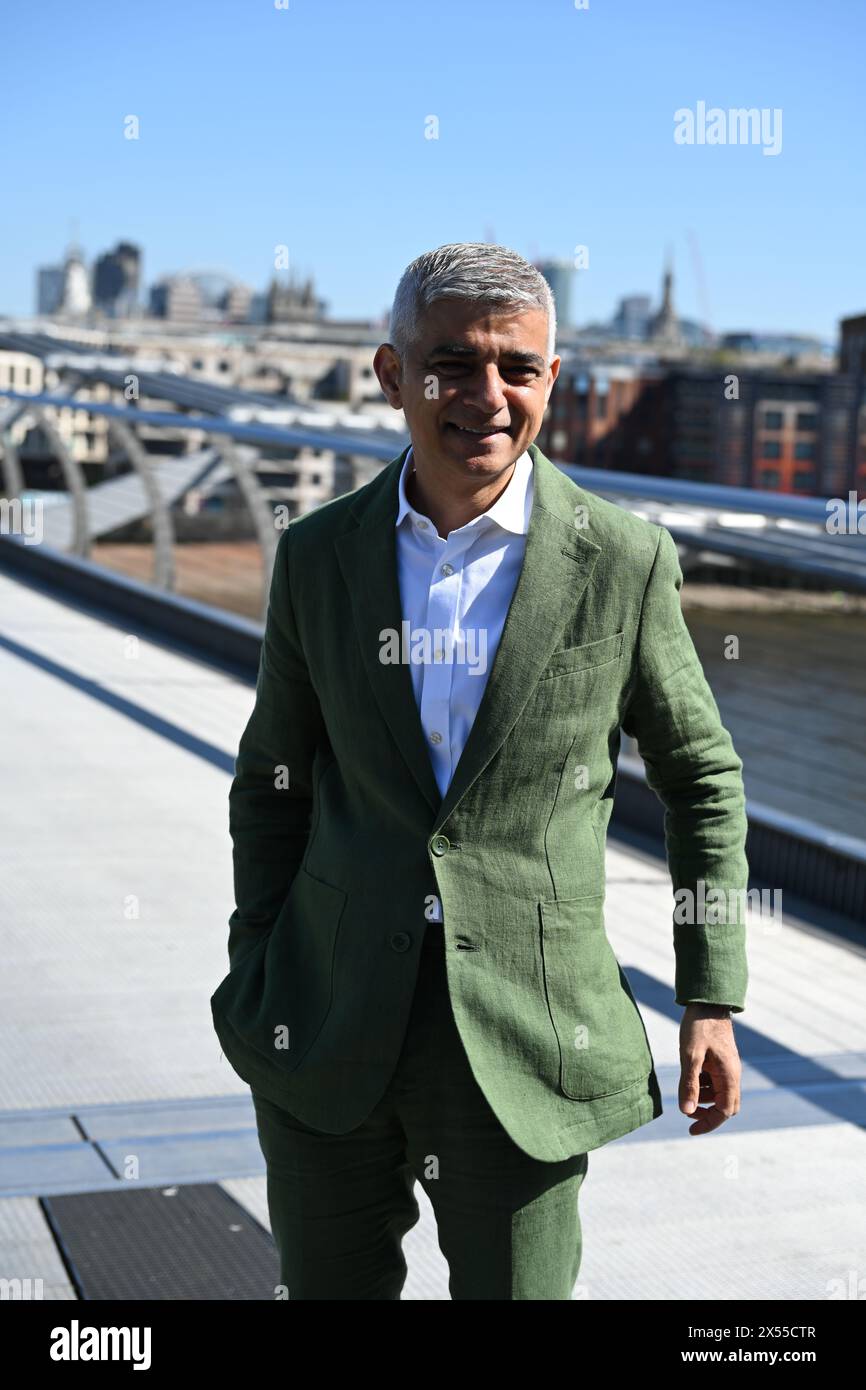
(440,844)
(401,941)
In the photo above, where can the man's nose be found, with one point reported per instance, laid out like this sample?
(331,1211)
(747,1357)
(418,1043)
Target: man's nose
(486,389)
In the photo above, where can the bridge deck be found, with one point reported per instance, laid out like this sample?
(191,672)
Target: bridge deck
(115,868)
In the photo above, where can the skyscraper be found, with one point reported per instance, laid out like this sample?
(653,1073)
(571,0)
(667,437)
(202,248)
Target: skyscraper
(559,275)
(116,279)
(76,284)
(49,289)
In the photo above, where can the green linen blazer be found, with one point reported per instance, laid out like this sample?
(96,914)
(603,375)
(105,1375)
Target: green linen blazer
(341,839)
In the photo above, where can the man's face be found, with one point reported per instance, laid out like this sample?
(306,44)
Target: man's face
(474,386)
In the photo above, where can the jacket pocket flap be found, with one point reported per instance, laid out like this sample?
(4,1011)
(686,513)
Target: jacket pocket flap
(569,659)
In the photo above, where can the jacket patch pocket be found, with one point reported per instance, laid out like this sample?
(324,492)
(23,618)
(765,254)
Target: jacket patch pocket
(602,1041)
(277,1000)
(569,659)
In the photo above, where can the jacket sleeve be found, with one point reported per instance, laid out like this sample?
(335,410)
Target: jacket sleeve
(692,767)
(270,798)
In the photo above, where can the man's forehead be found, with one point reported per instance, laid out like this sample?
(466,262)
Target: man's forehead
(466,329)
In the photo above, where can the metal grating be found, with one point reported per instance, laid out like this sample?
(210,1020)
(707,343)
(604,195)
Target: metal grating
(163,1243)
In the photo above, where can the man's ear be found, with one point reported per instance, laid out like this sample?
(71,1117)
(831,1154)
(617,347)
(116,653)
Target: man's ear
(386,365)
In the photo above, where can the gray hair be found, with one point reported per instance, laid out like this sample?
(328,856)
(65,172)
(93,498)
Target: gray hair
(489,275)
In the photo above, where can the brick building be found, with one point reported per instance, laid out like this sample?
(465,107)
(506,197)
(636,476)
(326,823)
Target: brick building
(774,428)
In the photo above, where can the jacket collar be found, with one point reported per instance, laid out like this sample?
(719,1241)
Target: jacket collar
(510,511)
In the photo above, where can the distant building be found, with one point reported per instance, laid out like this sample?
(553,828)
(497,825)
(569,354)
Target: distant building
(559,275)
(236,302)
(664,328)
(258,309)
(852,368)
(779,345)
(49,289)
(632,316)
(852,345)
(116,279)
(786,431)
(290,301)
(75,301)
(176,298)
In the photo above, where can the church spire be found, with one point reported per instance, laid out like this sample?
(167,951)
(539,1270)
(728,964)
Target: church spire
(665,327)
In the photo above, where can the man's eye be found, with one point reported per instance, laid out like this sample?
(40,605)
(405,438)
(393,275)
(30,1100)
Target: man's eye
(524,372)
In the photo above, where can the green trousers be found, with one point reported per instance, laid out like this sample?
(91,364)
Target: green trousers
(340,1204)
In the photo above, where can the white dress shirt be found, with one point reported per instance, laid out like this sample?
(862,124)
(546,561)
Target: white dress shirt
(455,594)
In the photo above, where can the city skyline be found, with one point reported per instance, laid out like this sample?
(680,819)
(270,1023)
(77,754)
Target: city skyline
(266,128)
(138,294)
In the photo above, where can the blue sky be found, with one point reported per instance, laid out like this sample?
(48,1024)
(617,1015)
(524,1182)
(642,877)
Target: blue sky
(305,126)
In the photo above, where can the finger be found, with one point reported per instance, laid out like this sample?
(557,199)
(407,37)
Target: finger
(689,1089)
(727,1092)
(708,1119)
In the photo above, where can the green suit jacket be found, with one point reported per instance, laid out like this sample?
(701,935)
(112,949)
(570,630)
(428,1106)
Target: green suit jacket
(342,840)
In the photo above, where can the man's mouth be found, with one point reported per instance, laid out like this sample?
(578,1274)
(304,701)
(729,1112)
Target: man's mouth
(486,432)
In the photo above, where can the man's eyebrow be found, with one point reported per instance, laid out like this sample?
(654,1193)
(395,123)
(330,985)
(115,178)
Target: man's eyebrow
(462,350)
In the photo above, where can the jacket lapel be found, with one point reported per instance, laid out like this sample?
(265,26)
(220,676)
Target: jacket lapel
(557,564)
(368,559)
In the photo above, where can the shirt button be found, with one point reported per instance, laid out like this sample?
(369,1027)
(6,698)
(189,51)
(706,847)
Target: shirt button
(422,525)
(400,941)
(435,737)
(447,569)
(440,844)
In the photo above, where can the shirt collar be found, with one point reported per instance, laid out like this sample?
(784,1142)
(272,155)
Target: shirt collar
(511,510)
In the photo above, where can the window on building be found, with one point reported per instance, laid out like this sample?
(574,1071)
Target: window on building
(771,449)
(601,405)
(769,477)
(804,478)
(807,419)
(804,449)
(772,419)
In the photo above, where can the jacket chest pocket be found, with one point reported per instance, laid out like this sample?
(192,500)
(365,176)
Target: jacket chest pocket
(602,1041)
(584,657)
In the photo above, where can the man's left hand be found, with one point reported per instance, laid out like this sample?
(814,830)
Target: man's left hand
(710,1067)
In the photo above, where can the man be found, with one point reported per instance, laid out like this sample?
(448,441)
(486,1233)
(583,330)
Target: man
(420,985)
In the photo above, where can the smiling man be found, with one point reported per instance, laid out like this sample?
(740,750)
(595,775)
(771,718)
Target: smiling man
(421,988)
